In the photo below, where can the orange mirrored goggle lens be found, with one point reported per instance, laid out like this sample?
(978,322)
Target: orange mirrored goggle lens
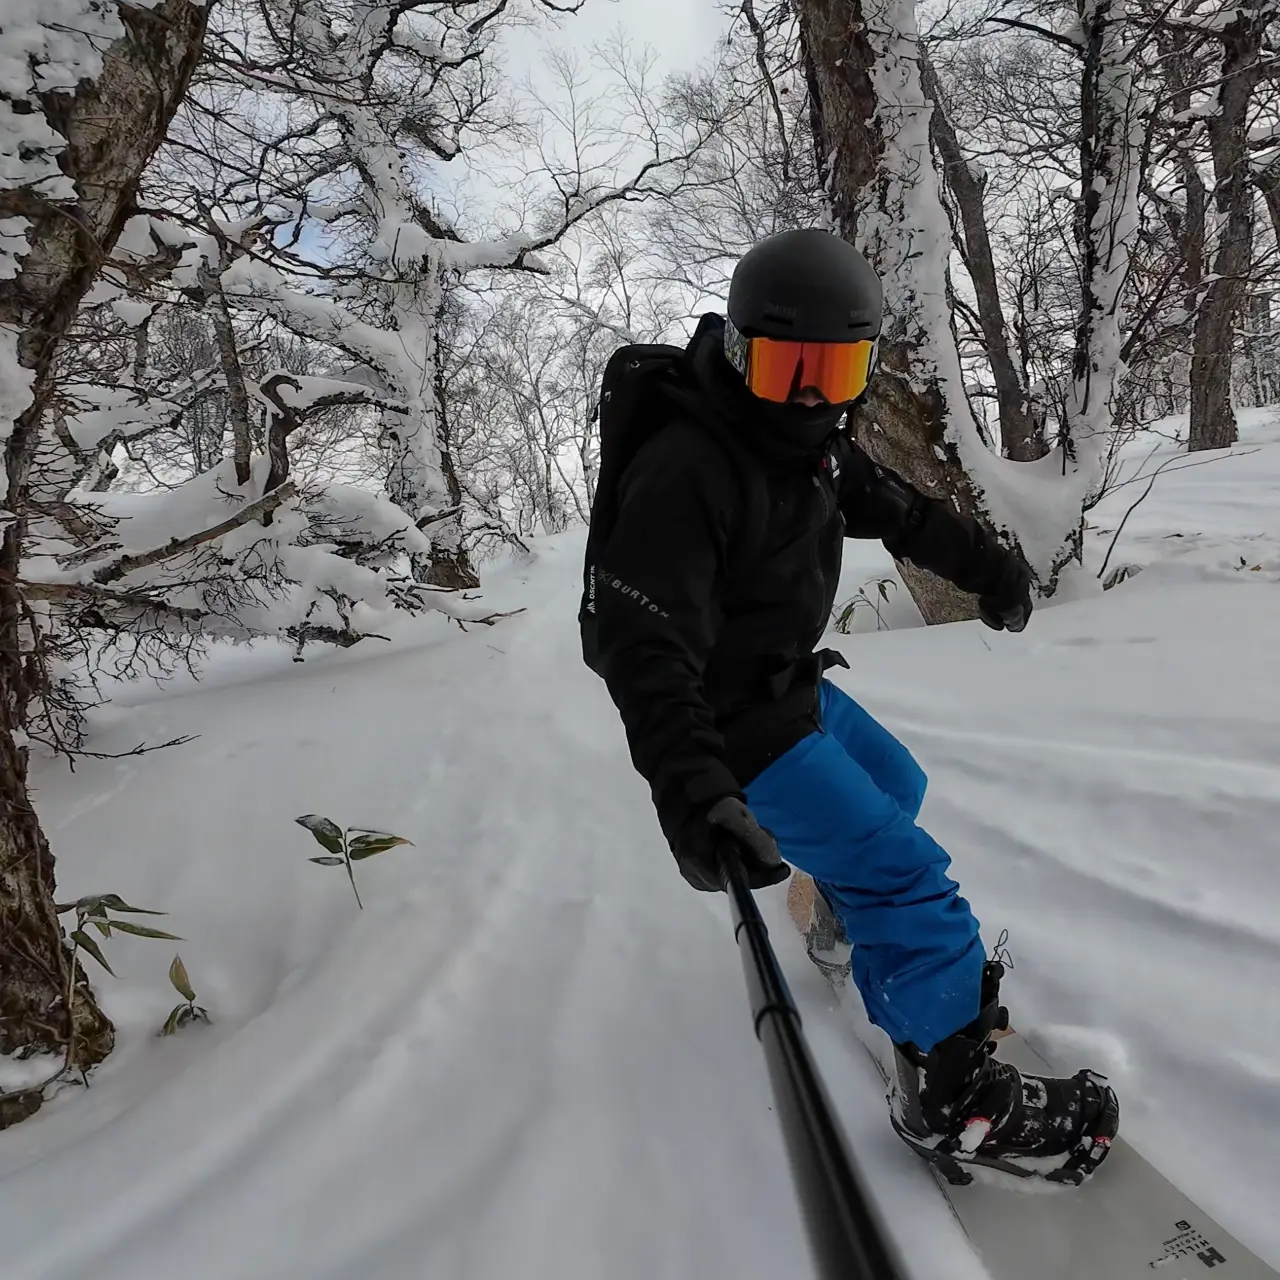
(777,370)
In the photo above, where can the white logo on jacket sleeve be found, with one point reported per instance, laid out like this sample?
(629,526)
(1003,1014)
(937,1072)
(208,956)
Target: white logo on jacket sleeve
(633,593)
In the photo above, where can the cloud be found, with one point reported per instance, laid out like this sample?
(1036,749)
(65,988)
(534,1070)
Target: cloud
(683,33)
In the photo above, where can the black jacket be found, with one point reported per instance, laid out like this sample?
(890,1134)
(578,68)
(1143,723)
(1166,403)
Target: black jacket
(710,656)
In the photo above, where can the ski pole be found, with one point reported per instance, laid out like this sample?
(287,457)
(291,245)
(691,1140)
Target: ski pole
(846,1238)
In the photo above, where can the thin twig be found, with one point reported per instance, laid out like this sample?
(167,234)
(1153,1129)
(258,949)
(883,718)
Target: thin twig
(141,749)
(1155,475)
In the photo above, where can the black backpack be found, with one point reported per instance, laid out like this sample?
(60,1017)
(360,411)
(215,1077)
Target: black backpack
(639,393)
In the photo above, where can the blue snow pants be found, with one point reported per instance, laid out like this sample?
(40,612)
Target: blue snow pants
(842,804)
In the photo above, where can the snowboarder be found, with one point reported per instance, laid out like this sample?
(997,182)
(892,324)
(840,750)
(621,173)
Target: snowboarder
(712,567)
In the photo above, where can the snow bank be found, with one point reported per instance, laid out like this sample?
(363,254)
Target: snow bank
(1209,515)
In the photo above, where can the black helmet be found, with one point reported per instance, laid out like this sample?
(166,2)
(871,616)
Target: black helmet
(806,286)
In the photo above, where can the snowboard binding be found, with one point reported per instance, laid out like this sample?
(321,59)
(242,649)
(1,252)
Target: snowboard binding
(959,1105)
(948,1153)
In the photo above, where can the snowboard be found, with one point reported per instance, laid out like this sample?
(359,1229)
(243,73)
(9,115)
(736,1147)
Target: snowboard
(1126,1222)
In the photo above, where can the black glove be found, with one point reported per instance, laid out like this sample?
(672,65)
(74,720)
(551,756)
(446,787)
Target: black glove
(728,826)
(1008,607)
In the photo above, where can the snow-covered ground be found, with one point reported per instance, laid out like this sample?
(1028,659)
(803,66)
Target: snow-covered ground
(1208,513)
(530,1055)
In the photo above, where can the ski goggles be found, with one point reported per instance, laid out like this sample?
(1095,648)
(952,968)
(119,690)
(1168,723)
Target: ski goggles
(776,369)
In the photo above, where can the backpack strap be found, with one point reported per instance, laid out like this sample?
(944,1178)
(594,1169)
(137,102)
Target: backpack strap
(749,535)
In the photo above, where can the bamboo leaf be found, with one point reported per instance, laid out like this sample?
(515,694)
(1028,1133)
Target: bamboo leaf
(143,931)
(86,943)
(178,976)
(327,862)
(114,902)
(173,1021)
(366,846)
(326,832)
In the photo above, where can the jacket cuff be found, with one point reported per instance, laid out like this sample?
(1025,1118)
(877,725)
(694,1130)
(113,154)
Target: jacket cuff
(682,797)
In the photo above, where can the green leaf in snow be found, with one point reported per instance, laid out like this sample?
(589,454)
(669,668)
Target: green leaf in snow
(326,831)
(86,943)
(142,930)
(366,846)
(178,977)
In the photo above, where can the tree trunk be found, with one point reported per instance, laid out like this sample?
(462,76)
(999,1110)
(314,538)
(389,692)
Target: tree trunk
(1259,348)
(1020,440)
(1179,50)
(915,414)
(422,472)
(450,564)
(232,371)
(1267,177)
(905,430)
(37,969)
(1213,422)
(112,126)
(1107,224)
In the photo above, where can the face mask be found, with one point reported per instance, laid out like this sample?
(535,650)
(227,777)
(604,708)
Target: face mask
(798,424)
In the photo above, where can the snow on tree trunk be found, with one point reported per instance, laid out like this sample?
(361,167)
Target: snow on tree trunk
(416,480)
(872,132)
(1213,422)
(1110,164)
(88,93)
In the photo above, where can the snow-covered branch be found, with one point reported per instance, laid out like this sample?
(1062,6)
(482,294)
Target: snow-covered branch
(122,565)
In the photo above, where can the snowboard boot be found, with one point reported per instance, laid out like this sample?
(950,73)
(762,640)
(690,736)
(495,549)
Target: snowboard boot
(824,935)
(958,1105)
